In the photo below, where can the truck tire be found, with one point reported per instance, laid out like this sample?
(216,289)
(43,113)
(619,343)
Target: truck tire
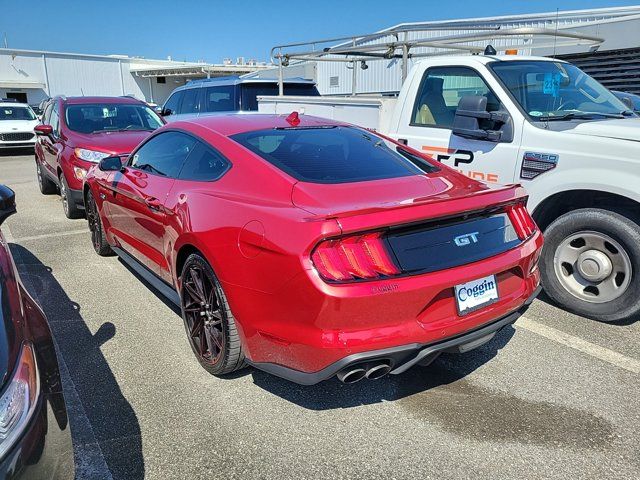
(590,264)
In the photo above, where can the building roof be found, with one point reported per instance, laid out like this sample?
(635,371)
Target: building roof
(601,14)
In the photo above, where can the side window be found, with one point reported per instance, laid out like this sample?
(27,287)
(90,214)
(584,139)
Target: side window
(440,93)
(55,121)
(164,154)
(46,116)
(219,99)
(190,101)
(204,164)
(171,105)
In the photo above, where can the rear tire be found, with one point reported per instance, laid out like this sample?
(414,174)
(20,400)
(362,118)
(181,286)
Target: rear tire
(98,237)
(209,323)
(70,208)
(591,263)
(45,184)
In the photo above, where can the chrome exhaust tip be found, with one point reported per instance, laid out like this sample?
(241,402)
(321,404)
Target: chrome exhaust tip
(351,375)
(378,371)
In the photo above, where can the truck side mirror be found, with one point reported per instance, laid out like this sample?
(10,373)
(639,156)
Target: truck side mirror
(472,120)
(627,102)
(7,203)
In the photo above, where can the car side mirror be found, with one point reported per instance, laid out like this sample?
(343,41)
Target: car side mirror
(7,203)
(110,164)
(165,112)
(472,120)
(43,130)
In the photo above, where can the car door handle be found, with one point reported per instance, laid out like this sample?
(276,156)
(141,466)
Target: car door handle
(153,203)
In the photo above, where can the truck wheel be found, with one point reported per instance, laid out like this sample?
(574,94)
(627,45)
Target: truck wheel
(591,262)
(44,183)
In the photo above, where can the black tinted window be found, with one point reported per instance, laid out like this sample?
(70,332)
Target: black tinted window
(328,154)
(99,117)
(251,92)
(220,99)
(171,106)
(203,164)
(190,101)
(164,154)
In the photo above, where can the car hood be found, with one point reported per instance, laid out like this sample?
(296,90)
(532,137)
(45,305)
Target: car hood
(17,125)
(114,143)
(622,129)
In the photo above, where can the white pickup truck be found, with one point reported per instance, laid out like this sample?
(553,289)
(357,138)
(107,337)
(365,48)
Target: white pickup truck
(540,122)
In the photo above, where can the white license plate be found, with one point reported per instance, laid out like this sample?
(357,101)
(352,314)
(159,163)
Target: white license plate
(475,294)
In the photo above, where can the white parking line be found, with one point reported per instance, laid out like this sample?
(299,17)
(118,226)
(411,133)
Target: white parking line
(46,235)
(602,353)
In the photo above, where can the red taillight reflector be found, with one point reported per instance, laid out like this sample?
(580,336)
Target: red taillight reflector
(353,258)
(522,222)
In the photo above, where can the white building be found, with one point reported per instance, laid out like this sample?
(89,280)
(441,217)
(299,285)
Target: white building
(32,76)
(615,62)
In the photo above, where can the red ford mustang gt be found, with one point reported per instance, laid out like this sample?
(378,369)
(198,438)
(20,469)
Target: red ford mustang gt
(310,248)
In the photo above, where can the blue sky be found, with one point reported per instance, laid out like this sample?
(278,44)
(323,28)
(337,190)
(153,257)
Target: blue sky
(214,29)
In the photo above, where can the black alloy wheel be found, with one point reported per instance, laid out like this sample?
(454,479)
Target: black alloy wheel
(98,237)
(208,321)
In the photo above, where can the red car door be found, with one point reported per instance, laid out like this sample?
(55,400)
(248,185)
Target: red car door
(135,198)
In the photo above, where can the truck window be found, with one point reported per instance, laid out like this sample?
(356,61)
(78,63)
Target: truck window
(440,92)
(220,99)
(171,105)
(190,101)
(251,92)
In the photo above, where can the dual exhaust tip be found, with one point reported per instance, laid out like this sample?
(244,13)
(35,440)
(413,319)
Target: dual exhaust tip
(355,373)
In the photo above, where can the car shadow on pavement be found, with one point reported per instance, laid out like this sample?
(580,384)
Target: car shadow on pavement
(332,394)
(104,426)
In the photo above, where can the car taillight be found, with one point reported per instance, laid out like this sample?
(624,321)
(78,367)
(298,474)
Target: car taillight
(352,258)
(522,222)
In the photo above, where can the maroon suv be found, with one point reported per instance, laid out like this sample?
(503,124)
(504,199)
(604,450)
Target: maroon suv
(77,132)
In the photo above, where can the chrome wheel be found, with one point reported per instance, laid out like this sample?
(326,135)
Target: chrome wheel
(593,267)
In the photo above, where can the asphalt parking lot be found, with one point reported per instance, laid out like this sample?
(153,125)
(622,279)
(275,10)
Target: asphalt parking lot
(555,397)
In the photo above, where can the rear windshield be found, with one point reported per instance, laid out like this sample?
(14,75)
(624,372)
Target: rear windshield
(95,118)
(251,92)
(331,154)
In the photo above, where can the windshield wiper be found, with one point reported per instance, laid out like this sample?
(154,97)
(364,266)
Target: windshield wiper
(579,116)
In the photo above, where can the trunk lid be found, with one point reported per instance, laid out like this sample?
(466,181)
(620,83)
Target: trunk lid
(397,201)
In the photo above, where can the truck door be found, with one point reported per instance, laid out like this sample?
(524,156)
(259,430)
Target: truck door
(429,126)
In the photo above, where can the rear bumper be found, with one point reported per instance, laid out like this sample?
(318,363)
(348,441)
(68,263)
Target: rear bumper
(403,357)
